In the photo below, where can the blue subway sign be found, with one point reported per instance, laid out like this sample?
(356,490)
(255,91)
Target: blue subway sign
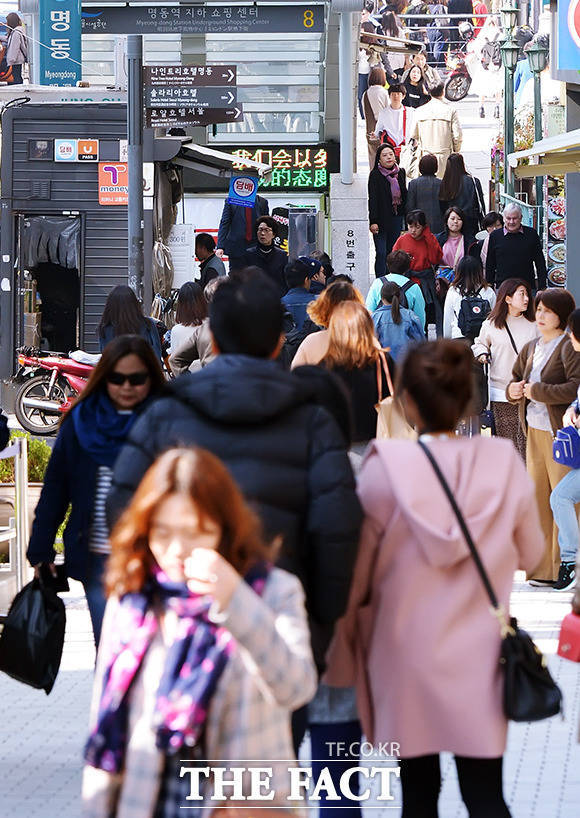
(60,42)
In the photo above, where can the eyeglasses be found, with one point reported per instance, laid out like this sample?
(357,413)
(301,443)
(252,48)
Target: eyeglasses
(134,378)
(264,230)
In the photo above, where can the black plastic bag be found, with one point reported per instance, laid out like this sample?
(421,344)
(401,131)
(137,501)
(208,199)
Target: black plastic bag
(33,636)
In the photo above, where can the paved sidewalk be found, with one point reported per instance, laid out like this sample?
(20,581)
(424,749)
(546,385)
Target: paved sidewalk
(41,738)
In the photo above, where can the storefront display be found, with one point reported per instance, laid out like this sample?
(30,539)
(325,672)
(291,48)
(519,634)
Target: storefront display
(555,232)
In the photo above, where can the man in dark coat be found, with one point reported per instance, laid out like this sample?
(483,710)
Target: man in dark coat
(265,255)
(513,252)
(210,265)
(268,426)
(237,229)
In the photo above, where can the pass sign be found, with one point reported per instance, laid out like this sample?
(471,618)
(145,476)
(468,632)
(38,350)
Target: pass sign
(243,190)
(88,150)
(113,183)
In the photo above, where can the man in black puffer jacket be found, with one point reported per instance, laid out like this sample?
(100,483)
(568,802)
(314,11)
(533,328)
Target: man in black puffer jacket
(284,449)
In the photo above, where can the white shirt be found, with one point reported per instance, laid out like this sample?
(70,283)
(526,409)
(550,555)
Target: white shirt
(391,121)
(496,343)
(537,412)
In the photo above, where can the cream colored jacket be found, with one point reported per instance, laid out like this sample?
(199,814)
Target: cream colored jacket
(437,130)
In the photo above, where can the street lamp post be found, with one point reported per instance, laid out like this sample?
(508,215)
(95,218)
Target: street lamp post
(509,54)
(538,60)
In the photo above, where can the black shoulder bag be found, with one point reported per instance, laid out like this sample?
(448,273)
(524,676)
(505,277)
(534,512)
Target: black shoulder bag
(513,343)
(529,692)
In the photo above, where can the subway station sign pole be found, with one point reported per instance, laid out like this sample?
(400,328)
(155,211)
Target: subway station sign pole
(135,161)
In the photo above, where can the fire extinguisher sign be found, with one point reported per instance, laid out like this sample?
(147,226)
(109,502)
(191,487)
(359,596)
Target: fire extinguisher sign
(243,190)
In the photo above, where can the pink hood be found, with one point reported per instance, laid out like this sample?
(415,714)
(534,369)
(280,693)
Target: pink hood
(422,501)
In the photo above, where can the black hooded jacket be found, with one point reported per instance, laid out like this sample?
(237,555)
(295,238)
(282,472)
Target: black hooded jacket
(286,453)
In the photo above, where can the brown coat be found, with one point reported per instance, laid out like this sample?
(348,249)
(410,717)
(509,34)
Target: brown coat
(560,378)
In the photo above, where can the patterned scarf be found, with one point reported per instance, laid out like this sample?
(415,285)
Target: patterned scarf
(194,664)
(392,177)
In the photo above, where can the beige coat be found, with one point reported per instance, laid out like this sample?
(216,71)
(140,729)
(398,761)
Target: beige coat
(437,130)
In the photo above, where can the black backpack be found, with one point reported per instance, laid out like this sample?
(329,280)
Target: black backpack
(402,297)
(473,311)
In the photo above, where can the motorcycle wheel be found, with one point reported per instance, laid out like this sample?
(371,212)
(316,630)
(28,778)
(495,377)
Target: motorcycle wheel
(33,419)
(456,87)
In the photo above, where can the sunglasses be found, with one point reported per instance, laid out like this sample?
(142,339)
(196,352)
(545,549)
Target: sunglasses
(134,378)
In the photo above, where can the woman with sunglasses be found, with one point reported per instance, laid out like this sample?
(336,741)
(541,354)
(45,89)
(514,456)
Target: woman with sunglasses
(80,468)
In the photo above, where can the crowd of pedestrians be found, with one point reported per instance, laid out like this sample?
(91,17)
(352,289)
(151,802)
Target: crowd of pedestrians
(241,534)
(257,564)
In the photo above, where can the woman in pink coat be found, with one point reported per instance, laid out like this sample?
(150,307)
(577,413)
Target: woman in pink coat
(418,639)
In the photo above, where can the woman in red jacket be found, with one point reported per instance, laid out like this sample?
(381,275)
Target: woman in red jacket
(426,253)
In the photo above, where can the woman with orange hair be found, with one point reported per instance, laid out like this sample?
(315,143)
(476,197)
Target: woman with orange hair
(313,348)
(197,628)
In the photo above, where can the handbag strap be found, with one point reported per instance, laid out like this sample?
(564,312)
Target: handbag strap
(513,343)
(382,365)
(465,531)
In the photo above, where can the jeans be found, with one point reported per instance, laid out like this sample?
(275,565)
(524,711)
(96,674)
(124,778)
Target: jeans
(339,763)
(17,74)
(363,84)
(480,782)
(384,241)
(562,500)
(94,592)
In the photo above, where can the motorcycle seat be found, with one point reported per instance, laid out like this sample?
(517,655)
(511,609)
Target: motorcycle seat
(82,357)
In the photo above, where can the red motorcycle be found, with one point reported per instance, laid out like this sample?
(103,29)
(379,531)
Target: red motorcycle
(49,383)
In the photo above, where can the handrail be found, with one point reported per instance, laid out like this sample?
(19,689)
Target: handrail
(18,533)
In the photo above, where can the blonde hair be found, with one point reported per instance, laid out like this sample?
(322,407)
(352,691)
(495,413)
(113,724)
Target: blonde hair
(321,309)
(352,340)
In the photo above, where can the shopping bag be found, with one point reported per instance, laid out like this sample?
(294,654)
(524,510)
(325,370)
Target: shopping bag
(391,422)
(569,642)
(33,636)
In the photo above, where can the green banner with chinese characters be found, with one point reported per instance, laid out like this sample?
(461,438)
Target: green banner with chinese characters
(294,167)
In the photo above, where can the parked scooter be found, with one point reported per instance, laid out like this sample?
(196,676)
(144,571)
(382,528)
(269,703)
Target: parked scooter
(458,82)
(49,383)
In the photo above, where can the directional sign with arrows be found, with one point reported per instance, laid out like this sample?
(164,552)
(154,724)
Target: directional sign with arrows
(190,95)
(178,96)
(164,76)
(192,117)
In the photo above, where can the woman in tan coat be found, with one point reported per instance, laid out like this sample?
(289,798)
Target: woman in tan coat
(545,381)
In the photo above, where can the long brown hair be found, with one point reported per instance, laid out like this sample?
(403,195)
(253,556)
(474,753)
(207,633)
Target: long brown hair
(452,177)
(498,316)
(191,305)
(118,348)
(198,475)
(352,342)
(321,309)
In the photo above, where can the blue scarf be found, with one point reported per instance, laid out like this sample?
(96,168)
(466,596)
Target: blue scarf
(193,667)
(100,428)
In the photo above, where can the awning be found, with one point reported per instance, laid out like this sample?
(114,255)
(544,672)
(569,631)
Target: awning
(554,155)
(217,163)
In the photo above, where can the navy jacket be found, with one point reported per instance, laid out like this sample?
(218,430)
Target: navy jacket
(149,332)
(70,478)
(296,300)
(232,230)
(288,456)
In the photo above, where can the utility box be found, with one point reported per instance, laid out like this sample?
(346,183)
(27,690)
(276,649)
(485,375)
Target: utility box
(63,225)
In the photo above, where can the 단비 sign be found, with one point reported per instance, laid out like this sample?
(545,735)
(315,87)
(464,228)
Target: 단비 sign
(243,190)
(65,150)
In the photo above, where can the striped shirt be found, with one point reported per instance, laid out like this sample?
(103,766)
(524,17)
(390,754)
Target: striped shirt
(99,534)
